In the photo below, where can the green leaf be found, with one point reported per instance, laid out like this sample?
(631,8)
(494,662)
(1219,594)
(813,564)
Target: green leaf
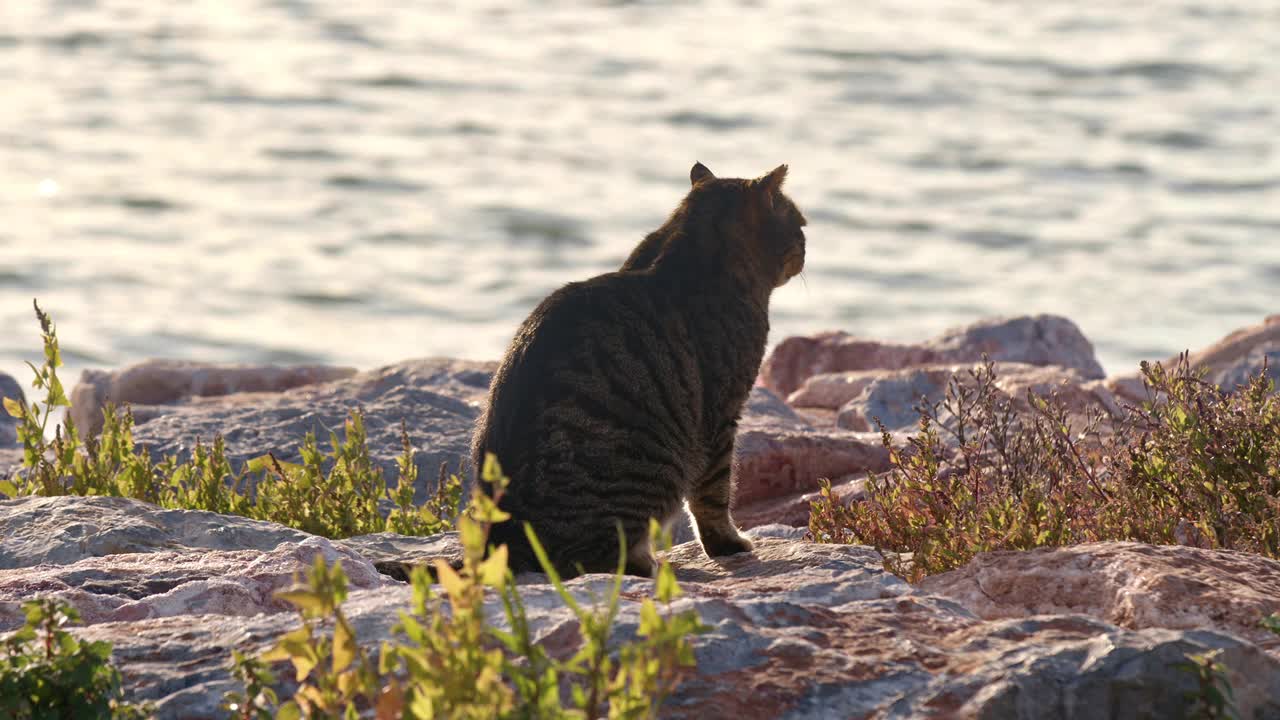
(452,583)
(1272,623)
(289,711)
(308,601)
(493,571)
(472,535)
(14,408)
(257,464)
(666,588)
(344,645)
(57,396)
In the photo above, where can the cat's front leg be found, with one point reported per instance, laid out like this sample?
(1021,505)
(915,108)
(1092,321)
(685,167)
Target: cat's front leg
(709,504)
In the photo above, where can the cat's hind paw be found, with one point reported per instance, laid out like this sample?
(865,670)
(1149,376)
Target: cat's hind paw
(727,545)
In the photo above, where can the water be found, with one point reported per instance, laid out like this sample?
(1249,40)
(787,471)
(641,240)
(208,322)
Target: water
(359,183)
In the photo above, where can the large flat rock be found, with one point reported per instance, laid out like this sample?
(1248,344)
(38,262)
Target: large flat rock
(1129,584)
(65,530)
(136,586)
(165,382)
(436,400)
(798,630)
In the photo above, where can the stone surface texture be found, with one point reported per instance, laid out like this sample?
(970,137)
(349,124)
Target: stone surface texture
(1228,362)
(136,586)
(1240,353)
(1035,340)
(860,398)
(165,382)
(65,530)
(1129,584)
(436,401)
(798,630)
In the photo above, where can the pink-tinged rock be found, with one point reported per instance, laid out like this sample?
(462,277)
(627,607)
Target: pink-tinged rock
(833,389)
(10,461)
(1231,360)
(1129,390)
(138,586)
(795,630)
(1035,340)
(164,382)
(777,463)
(66,529)
(1128,584)
(892,397)
(780,457)
(1078,395)
(435,399)
(793,509)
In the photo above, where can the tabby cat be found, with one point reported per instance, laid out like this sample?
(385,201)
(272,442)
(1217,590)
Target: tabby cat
(619,397)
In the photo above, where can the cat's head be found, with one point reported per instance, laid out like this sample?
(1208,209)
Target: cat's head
(757,227)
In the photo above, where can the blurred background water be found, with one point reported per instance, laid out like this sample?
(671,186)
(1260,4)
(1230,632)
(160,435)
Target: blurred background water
(360,183)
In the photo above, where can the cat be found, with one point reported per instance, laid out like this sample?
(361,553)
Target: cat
(618,399)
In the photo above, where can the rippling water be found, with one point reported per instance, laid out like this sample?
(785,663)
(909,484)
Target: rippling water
(248,180)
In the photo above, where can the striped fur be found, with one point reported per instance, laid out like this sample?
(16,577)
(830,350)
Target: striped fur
(618,399)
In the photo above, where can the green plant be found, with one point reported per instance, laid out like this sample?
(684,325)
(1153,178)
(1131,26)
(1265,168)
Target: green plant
(33,421)
(258,698)
(1205,456)
(335,494)
(1195,464)
(1213,698)
(452,661)
(1271,623)
(45,672)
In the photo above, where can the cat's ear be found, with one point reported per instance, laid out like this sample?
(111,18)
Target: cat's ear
(771,184)
(700,173)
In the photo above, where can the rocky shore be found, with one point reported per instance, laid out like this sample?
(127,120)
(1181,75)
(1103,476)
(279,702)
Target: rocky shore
(799,629)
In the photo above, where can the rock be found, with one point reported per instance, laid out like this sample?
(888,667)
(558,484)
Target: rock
(437,400)
(775,463)
(797,630)
(1229,362)
(1232,375)
(1128,584)
(792,509)
(396,555)
(9,388)
(779,454)
(137,586)
(833,389)
(1035,340)
(862,397)
(164,382)
(64,530)
(892,400)
(1240,354)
